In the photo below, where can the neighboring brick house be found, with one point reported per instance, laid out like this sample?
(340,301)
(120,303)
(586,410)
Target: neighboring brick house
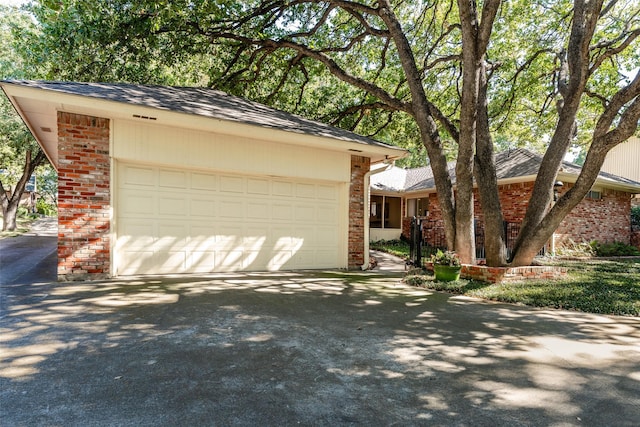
(162,180)
(604,215)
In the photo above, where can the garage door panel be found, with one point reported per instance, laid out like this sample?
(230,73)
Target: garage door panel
(258,186)
(137,233)
(180,221)
(202,261)
(258,210)
(327,192)
(138,176)
(282,188)
(229,237)
(201,207)
(175,205)
(255,238)
(327,236)
(305,212)
(170,262)
(136,262)
(172,178)
(231,209)
(136,202)
(229,260)
(304,233)
(282,211)
(232,184)
(326,258)
(327,214)
(306,190)
(202,231)
(204,182)
(171,237)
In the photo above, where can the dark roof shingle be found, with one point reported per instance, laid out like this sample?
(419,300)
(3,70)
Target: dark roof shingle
(202,102)
(516,163)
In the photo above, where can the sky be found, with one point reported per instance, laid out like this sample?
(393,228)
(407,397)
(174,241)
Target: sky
(12,2)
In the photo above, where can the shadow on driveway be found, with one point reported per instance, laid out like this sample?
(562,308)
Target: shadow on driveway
(310,348)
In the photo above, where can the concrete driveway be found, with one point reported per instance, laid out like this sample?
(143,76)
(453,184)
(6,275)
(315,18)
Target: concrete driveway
(305,348)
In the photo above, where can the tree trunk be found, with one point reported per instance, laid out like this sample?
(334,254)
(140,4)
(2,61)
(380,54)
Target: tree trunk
(11,203)
(426,124)
(573,75)
(622,110)
(487,180)
(475,39)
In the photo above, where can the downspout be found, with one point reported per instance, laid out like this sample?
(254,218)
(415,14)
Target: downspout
(367,207)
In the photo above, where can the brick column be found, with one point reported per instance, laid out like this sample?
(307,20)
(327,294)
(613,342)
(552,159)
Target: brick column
(83,197)
(359,167)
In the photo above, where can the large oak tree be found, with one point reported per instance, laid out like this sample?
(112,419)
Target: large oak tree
(447,73)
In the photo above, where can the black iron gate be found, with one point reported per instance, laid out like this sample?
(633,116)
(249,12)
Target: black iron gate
(434,238)
(415,242)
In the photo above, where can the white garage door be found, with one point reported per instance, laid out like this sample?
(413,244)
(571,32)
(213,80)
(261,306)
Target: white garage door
(182,221)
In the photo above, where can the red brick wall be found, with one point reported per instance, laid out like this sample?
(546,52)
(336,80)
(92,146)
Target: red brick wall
(83,197)
(605,220)
(359,167)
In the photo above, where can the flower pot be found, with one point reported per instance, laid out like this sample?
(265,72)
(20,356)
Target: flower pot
(447,273)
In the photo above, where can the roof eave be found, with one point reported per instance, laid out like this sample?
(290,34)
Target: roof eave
(52,101)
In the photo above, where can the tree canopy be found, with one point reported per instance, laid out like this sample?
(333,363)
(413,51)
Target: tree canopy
(454,79)
(20,154)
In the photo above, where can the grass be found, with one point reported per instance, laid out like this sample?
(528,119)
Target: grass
(603,287)
(594,286)
(393,247)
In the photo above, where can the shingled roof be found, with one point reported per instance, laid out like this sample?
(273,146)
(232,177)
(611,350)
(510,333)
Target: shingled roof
(201,102)
(510,165)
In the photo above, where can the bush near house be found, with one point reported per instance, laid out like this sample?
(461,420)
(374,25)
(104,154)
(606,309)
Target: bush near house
(614,249)
(635,217)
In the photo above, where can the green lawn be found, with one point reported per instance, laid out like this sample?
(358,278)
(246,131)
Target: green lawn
(594,286)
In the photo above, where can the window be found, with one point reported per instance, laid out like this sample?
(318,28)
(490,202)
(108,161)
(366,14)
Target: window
(385,212)
(594,195)
(417,207)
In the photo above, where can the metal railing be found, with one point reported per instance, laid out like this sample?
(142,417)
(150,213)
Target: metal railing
(433,237)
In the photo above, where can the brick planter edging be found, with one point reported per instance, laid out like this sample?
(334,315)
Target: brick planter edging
(508,274)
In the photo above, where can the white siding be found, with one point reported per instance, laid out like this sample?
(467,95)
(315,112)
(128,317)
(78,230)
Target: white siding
(156,144)
(624,160)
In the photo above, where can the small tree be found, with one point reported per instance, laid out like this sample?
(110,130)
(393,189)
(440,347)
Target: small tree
(20,155)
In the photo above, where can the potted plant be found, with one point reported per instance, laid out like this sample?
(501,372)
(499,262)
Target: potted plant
(446,266)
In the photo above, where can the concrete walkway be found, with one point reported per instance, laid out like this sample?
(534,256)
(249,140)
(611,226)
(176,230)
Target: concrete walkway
(387,262)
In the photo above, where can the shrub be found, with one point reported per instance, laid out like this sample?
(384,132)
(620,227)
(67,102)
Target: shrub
(394,247)
(614,249)
(635,217)
(445,258)
(45,208)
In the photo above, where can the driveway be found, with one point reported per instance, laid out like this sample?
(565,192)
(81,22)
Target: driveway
(305,348)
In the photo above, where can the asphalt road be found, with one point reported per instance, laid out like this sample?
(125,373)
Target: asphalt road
(28,262)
